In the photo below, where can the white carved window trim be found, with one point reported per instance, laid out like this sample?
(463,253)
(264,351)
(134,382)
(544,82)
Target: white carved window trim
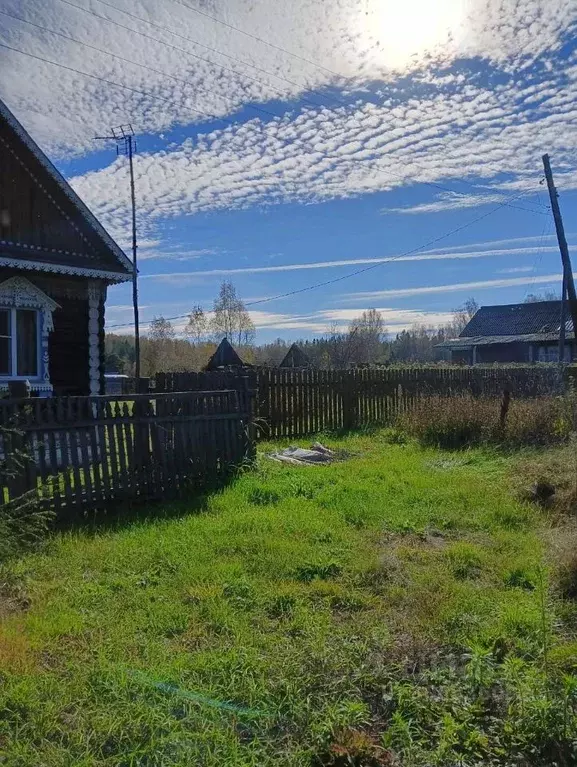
(13,336)
(19,293)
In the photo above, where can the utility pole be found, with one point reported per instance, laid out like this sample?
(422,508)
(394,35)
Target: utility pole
(568,282)
(563,321)
(125,140)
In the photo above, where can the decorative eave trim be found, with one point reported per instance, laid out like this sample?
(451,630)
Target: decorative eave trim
(81,271)
(67,190)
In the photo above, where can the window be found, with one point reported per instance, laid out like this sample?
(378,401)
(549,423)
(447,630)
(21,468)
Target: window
(19,343)
(551,353)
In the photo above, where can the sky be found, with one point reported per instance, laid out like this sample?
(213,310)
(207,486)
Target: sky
(327,156)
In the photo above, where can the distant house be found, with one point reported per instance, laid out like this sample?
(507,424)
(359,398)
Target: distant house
(513,333)
(225,356)
(56,262)
(295,358)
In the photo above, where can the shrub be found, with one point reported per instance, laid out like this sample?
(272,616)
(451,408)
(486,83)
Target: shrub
(463,420)
(22,523)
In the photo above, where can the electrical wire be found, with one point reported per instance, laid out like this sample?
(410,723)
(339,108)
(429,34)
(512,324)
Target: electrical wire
(357,271)
(129,61)
(183,50)
(547,228)
(216,50)
(261,40)
(197,111)
(117,84)
(161,42)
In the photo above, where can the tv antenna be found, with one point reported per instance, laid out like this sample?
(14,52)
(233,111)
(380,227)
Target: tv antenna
(123,136)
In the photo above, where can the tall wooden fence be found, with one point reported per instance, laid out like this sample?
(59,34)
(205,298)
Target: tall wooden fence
(292,403)
(77,452)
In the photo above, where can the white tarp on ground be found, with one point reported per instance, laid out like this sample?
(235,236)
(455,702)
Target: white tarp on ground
(300,456)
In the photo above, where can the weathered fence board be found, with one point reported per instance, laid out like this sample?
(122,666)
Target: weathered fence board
(85,452)
(292,402)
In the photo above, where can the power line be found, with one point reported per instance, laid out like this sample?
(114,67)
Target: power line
(183,50)
(129,61)
(261,40)
(170,101)
(544,212)
(214,50)
(162,42)
(539,255)
(357,271)
(113,82)
(189,53)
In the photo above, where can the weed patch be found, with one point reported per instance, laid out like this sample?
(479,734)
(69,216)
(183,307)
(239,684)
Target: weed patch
(462,421)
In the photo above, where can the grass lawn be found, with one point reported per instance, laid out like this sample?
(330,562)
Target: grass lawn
(394,609)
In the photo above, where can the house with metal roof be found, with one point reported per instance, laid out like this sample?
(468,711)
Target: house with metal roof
(56,261)
(526,332)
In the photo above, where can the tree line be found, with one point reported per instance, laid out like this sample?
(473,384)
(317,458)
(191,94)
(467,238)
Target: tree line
(365,341)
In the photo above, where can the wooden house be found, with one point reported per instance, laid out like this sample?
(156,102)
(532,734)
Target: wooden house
(56,262)
(513,333)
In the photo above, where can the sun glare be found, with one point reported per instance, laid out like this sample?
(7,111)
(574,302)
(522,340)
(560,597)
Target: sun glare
(403,29)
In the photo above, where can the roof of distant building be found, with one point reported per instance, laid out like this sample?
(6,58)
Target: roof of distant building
(540,317)
(295,358)
(224,356)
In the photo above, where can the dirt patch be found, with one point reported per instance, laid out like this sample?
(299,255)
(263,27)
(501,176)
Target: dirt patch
(13,598)
(548,479)
(354,748)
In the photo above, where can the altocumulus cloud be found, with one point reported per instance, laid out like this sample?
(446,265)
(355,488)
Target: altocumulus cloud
(442,119)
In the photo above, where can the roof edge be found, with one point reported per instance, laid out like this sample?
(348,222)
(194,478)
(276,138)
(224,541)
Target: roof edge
(83,209)
(80,271)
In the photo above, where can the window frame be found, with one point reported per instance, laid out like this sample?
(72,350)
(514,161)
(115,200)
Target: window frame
(13,310)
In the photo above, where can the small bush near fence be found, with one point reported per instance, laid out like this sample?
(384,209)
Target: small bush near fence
(22,525)
(463,420)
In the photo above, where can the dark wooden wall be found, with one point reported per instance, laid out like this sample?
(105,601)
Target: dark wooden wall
(68,348)
(30,215)
(516,352)
(68,343)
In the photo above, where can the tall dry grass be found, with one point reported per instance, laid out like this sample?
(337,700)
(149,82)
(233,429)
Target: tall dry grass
(463,420)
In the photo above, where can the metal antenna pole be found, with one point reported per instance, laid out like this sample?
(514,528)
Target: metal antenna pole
(134,267)
(123,135)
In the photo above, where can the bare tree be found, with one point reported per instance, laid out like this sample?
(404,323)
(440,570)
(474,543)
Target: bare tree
(367,333)
(545,295)
(461,316)
(158,349)
(230,318)
(197,327)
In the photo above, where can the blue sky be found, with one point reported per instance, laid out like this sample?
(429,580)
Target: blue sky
(296,144)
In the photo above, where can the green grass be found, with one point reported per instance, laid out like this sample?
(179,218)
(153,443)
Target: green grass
(392,609)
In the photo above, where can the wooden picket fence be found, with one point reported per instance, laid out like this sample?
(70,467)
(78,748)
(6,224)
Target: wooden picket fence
(293,403)
(87,452)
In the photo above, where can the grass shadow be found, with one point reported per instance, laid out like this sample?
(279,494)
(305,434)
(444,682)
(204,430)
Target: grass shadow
(124,512)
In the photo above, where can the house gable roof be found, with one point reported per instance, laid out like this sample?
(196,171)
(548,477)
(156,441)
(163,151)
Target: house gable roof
(63,236)
(541,317)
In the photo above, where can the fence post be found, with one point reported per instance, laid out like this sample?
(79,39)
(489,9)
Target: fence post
(251,395)
(348,398)
(504,409)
